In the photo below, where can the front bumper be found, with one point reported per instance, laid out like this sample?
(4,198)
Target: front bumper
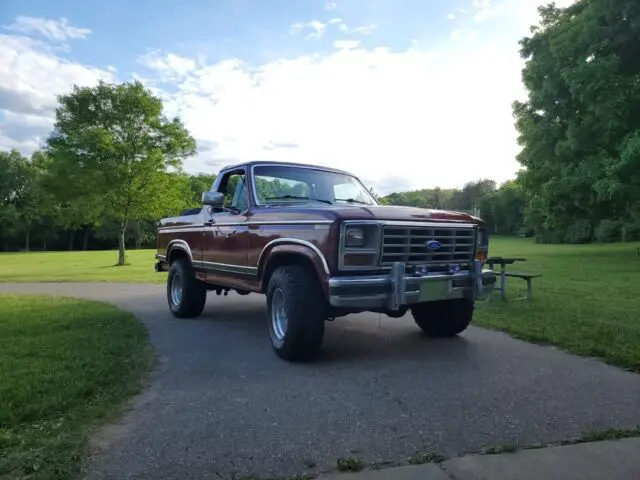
(398,289)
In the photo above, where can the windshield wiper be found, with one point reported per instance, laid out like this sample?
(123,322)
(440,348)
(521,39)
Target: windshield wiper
(295,197)
(351,200)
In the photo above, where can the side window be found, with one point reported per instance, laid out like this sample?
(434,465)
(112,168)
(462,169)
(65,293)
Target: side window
(235,192)
(240,198)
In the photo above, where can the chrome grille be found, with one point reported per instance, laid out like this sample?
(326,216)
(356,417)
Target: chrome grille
(408,245)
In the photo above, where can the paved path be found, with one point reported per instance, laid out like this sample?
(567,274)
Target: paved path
(222,403)
(611,459)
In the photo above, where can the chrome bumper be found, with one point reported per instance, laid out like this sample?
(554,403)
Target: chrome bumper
(393,291)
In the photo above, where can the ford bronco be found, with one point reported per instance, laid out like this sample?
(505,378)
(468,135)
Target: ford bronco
(319,245)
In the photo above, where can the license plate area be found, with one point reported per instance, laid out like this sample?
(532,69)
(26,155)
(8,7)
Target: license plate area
(435,290)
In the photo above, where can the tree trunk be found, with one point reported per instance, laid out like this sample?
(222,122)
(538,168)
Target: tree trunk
(121,244)
(72,236)
(85,240)
(44,243)
(27,240)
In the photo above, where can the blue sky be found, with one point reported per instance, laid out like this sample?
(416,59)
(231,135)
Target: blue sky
(404,93)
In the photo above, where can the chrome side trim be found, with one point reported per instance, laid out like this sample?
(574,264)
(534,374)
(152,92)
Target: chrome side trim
(180,244)
(225,268)
(293,222)
(181,227)
(297,241)
(182,230)
(202,227)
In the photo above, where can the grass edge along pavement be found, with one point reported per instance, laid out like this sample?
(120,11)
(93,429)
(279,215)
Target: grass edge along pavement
(584,303)
(354,467)
(68,367)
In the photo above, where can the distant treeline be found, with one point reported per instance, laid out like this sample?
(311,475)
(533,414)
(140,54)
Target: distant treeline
(33,217)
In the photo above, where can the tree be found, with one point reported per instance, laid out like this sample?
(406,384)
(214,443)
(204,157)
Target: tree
(12,185)
(119,146)
(198,184)
(34,203)
(580,127)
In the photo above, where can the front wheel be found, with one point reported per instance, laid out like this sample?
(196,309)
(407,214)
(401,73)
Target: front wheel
(185,293)
(296,313)
(443,318)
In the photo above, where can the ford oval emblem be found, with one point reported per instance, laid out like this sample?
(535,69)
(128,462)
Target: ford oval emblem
(433,244)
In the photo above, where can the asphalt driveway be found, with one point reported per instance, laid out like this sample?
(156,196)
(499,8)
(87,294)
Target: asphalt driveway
(221,403)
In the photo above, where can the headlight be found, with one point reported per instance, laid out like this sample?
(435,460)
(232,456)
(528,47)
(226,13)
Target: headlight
(354,237)
(359,247)
(482,245)
(481,237)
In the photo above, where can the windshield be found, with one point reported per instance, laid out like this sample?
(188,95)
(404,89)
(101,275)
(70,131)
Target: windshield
(284,184)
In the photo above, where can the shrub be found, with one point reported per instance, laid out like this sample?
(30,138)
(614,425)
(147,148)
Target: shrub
(632,231)
(578,232)
(608,231)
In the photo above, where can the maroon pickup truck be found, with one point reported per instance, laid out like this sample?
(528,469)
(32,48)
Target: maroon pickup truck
(320,246)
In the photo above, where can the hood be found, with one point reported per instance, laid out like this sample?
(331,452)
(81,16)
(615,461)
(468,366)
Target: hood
(399,213)
(377,212)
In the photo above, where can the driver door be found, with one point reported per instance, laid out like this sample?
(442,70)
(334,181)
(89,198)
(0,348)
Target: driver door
(226,233)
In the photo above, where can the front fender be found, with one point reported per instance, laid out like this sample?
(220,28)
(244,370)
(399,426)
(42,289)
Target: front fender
(307,250)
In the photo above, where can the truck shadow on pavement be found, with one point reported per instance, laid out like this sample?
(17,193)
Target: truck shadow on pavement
(355,338)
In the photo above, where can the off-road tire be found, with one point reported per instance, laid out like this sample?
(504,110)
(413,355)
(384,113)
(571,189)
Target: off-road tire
(305,309)
(194,294)
(444,318)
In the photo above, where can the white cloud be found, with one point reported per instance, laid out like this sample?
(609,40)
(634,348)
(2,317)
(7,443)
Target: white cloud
(331,5)
(57,30)
(451,16)
(363,29)
(487,9)
(317,28)
(31,76)
(169,65)
(346,44)
(464,34)
(430,119)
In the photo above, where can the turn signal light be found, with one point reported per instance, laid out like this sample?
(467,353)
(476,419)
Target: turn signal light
(359,259)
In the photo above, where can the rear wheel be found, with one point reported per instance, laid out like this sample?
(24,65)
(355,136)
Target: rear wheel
(296,313)
(185,293)
(444,318)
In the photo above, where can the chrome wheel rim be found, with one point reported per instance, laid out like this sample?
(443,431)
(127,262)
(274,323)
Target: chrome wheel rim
(279,319)
(176,290)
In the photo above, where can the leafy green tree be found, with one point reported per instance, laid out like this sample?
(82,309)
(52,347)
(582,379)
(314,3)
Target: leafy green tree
(34,202)
(12,185)
(119,146)
(198,184)
(580,127)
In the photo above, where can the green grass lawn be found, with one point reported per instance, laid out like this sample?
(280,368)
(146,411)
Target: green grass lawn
(66,366)
(586,301)
(91,266)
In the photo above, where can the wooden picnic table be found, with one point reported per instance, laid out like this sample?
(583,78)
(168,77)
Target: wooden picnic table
(503,262)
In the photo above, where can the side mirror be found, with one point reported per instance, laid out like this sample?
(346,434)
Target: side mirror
(213,199)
